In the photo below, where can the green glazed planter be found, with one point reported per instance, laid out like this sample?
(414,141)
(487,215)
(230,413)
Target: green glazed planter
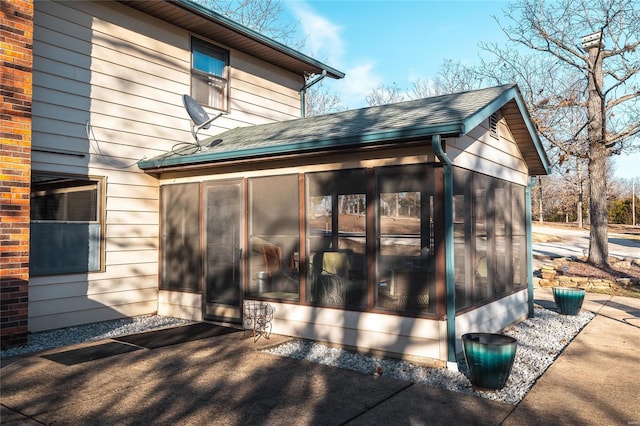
(489,358)
(568,300)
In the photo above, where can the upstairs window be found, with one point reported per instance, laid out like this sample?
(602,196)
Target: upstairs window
(66,224)
(209,74)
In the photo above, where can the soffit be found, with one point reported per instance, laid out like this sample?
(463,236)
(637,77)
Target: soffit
(207,23)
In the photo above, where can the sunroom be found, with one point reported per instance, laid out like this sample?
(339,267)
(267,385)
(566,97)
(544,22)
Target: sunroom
(394,228)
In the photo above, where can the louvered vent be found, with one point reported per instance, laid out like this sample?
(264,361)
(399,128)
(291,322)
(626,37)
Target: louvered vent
(493,125)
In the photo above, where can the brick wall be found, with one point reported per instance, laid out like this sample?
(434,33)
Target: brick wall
(16,51)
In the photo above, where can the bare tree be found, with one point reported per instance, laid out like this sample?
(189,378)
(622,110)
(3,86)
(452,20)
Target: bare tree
(319,100)
(263,16)
(452,77)
(598,82)
(383,95)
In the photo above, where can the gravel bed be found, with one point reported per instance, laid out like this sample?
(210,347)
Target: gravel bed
(540,340)
(44,340)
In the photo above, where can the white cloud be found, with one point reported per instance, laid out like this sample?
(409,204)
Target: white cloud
(322,37)
(360,80)
(324,41)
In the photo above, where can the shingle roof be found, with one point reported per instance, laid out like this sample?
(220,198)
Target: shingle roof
(446,115)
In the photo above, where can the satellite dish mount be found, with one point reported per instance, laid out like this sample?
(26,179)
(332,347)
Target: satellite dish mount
(199,116)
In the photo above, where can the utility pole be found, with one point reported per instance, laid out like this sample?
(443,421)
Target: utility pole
(580,222)
(633,201)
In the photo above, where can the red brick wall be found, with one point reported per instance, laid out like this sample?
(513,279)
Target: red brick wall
(16,51)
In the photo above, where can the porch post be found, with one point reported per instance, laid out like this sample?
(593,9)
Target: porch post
(448,249)
(528,230)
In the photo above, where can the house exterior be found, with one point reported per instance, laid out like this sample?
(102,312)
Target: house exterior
(108,78)
(394,228)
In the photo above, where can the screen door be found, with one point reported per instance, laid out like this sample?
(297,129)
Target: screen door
(223,251)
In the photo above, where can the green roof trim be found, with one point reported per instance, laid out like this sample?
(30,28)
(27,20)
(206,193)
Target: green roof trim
(447,115)
(261,38)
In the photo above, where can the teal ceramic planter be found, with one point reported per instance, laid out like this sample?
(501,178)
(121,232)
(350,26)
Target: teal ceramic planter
(568,300)
(489,358)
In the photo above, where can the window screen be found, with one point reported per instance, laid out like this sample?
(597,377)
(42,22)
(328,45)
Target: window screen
(274,239)
(181,266)
(336,238)
(405,264)
(66,224)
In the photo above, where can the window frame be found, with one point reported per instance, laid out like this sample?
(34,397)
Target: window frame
(333,185)
(204,47)
(194,262)
(277,285)
(419,179)
(100,215)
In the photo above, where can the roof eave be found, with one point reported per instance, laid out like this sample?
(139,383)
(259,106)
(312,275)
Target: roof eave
(511,93)
(256,36)
(302,147)
(546,164)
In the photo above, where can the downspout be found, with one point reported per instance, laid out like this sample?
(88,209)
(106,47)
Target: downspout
(528,230)
(448,251)
(303,92)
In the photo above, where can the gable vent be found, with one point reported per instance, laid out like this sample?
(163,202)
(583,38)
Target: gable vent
(493,125)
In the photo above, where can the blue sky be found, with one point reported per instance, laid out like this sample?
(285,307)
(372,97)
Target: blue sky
(386,42)
(376,42)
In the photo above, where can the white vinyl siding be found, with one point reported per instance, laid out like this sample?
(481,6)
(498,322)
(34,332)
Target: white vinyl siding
(481,152)
(107,68)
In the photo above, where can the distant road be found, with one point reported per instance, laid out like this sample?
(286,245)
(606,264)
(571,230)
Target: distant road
(575,242)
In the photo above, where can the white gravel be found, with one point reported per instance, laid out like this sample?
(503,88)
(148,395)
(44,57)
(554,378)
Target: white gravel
(86,333)
(540,340)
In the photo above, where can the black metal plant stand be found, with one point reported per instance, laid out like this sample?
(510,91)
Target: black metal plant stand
(257,319)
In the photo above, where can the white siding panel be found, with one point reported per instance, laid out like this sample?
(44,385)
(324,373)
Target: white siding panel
(113,272)
(248,102)
(127,231)
(131,243)
(132,218)
(494,317)
(62,55)
(131,205)
(46,66)
(479,151)
(253,66)
(81,288)
(180,305)
(264,89)
(125,257)
(98,312)
(135,192)
(110,62)
(387,333)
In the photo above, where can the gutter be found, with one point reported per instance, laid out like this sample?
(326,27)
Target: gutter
(529,232)
(303,92)
(448,251)
(169,160)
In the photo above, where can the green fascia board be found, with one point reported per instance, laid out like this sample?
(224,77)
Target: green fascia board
(510,94)
(534,134)
(485,112)
(248,32)
(304,146)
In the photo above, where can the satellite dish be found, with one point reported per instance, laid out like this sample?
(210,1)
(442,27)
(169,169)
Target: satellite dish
(196,112)
(198,115)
